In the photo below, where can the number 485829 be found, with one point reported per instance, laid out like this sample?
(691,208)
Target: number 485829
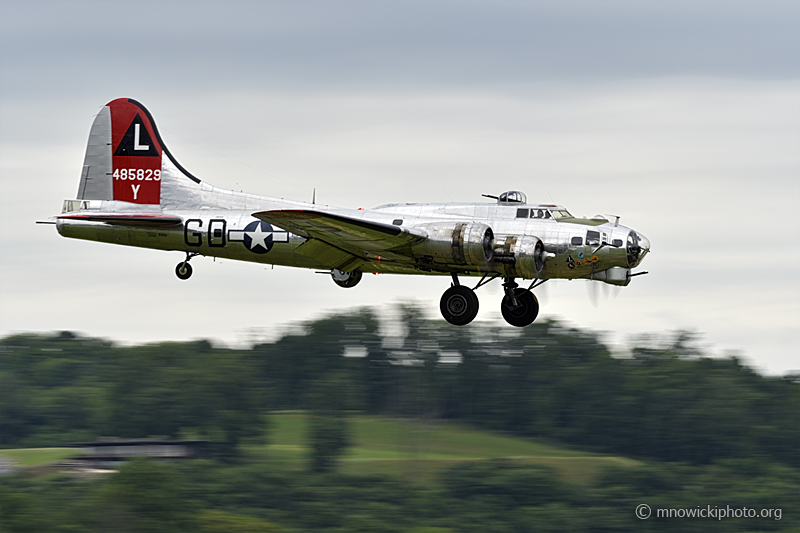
(137,174)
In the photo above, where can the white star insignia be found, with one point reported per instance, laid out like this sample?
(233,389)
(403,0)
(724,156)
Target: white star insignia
(258,237)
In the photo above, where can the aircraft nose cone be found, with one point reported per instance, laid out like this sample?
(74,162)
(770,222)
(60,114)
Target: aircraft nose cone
(637,247)
(644,244)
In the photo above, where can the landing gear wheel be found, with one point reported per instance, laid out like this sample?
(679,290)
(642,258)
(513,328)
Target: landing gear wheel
(525,313)
(459,305)
(183,270)
(346,279)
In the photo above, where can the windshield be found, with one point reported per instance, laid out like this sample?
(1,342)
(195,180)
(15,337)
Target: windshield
(560,213)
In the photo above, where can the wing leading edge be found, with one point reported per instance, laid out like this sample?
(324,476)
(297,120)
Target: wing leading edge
(347,239)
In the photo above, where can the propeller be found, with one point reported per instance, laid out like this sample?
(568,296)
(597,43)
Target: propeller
(599,295)
(543,293)
(493,287)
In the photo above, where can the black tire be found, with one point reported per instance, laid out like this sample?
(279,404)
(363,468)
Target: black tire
(459,305)
(523,315)
(183,270)
(346,279)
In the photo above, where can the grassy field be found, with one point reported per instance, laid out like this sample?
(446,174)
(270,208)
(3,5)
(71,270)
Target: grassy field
(37,456)
(413,450)
(416,450)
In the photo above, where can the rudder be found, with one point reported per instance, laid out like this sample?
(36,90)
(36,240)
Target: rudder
(124,156)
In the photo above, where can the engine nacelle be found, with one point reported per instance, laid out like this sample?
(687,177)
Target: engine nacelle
(460,243)
(524,255)
(529,257)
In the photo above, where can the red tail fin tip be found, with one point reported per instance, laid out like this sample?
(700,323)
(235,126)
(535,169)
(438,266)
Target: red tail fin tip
(136,160)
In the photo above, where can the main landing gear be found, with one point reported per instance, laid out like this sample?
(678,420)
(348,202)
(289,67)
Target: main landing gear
(519,306)
(184,269)
(459,304)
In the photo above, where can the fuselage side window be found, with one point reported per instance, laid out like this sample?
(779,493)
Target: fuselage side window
(592,237)
(522,213)
(577,241)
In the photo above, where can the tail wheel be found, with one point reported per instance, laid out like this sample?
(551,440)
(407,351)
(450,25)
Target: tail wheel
(459,305)
(525,313)
(183,270)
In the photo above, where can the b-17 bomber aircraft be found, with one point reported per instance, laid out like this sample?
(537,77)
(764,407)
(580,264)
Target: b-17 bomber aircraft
(134,192)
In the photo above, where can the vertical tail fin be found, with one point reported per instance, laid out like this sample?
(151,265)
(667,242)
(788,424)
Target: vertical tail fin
(124,156)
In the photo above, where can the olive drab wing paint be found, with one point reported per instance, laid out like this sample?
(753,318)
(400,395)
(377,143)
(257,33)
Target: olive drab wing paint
(132,191)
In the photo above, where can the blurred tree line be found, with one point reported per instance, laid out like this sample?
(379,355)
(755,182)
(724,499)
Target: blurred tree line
(713,431)
(63,389)
(476,496)
(666,401)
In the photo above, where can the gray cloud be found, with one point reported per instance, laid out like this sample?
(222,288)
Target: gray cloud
(681,117)
(348,45)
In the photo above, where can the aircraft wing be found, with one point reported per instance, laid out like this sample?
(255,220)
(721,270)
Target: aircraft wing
(138,219)
(360,238)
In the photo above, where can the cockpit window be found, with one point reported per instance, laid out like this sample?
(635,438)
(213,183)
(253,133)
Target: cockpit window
(540,213)
(561,213)
(512,197)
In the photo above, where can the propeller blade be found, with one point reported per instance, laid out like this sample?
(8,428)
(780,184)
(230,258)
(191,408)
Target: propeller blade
(543,293)
(493,287)
(592,293)
(606,291)
(615,291)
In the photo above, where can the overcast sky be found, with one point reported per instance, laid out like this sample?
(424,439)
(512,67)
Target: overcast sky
(681,117)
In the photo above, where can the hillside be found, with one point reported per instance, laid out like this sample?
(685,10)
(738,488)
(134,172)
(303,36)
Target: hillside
(418,450)
(341,427)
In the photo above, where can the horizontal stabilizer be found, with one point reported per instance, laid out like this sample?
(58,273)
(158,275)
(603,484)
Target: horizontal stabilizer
(129,219)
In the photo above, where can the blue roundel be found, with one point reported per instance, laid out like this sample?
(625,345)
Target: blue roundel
(258,237)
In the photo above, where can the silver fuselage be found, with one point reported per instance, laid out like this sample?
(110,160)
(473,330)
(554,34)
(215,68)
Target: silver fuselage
(218,231)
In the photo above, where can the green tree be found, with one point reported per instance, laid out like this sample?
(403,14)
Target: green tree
(145,496)
(328,426)
(328,439)
(216,521)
